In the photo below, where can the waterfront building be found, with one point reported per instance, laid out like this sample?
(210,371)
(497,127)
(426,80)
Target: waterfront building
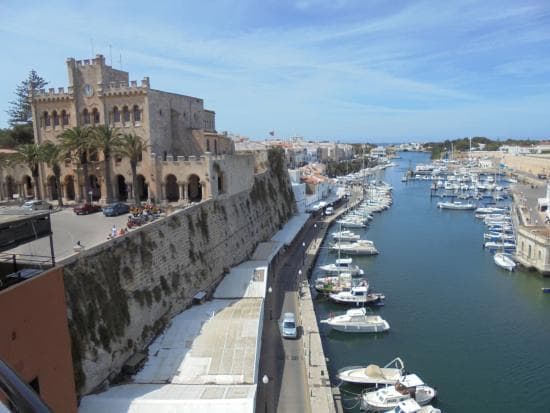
(186,159)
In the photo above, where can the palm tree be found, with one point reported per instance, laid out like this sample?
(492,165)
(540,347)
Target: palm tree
(132,146)
(29,154)
(77,141)
(107,140)
(53,155)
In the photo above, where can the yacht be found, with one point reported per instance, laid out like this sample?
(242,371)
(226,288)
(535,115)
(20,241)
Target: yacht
(495,245)
(351,223)
(408,387)
(358,295)
(373,375)
(336,283)
(411,406)
(505,261)
(342,265)
(357,320)
(345,236)
(490,210)
(455,205)
(360,247)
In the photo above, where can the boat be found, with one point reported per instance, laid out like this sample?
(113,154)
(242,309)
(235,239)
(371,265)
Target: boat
(360,247)
(411,406)
(489,210)
(351,223)
(337,283)
(345,236)
(494,245)
(358,295)
(497,236)
(545,289)
(357,320)
(505,261)
(342,265)
(373,375)
(455,205)
(408,387)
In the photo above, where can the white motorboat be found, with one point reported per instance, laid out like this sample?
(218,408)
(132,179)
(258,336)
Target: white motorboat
(336,283)
(351,223)
(345,236)
(489,210)
(494,245)
(455,205)
(408,387)
(342,265)
(498,236)
(373,375)
(411,406)
(357,320)
(358,295)
(360,247)
(505,261)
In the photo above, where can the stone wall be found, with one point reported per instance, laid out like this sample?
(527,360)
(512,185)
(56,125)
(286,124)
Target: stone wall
(120,295)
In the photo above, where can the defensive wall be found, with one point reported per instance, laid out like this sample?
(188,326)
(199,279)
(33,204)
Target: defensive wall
(121,294)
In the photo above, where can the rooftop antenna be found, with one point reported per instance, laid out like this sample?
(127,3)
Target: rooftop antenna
(111,55)
(92,43)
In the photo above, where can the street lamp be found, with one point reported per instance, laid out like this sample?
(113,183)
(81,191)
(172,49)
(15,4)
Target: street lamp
(265,380)
(269,291)
(304,254)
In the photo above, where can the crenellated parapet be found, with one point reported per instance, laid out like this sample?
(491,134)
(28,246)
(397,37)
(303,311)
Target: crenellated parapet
(53,94)
(124,88)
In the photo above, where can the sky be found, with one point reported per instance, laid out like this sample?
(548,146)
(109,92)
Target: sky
(365,70)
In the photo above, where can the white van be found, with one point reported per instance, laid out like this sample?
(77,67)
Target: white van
(288,326)
(329,210)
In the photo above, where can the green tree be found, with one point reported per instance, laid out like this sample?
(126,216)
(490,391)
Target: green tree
(19,111)
(107,140)
(78,142)
(53,155)
(132,147)
(29,154)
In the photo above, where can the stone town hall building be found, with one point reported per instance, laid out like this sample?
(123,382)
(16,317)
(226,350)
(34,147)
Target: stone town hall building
(186,161)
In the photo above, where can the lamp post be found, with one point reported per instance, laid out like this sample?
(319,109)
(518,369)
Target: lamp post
(269,291)
(265,381)
(304,253)
(299,275)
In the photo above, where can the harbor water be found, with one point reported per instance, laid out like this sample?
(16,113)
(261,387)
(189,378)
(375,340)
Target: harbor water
(477,333)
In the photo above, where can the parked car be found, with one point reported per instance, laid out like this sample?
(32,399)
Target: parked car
(288,326)
(115,209)
(36,205)
(86,209)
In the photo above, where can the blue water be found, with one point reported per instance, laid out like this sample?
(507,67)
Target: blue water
(477,333)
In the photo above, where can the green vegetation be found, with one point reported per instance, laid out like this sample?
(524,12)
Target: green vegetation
(20,111)
(335,169)
(438,149)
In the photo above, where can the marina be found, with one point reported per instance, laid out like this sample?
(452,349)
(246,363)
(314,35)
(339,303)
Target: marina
(459,320)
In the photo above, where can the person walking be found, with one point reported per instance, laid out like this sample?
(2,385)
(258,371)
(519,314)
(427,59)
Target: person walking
(113,231)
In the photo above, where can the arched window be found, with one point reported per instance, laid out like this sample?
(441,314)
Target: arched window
(55,118)
(86,117)
(137,114)
(125,114)
(116,115)
(64,118)
(95,116)
(47,121)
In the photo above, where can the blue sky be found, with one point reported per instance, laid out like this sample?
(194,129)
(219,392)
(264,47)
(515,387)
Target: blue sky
(334,69)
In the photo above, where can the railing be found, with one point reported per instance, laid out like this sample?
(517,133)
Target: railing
(19,393)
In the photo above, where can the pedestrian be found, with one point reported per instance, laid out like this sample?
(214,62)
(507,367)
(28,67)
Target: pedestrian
(113,231)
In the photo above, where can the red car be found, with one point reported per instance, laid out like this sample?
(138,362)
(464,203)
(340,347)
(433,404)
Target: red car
(86,209)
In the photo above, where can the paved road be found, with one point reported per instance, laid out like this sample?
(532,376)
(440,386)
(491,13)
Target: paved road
(68,228)
(283,360)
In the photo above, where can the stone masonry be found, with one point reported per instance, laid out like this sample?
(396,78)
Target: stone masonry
(120,295)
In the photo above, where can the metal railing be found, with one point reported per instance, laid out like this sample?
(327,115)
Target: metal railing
(21,396)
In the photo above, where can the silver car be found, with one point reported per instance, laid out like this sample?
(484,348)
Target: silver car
(36,205)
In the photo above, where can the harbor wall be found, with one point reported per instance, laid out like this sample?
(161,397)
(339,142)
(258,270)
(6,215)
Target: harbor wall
(120,295)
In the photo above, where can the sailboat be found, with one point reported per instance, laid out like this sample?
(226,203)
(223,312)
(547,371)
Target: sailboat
(505,261)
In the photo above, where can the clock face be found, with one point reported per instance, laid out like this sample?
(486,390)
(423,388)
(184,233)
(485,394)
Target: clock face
(88,90)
